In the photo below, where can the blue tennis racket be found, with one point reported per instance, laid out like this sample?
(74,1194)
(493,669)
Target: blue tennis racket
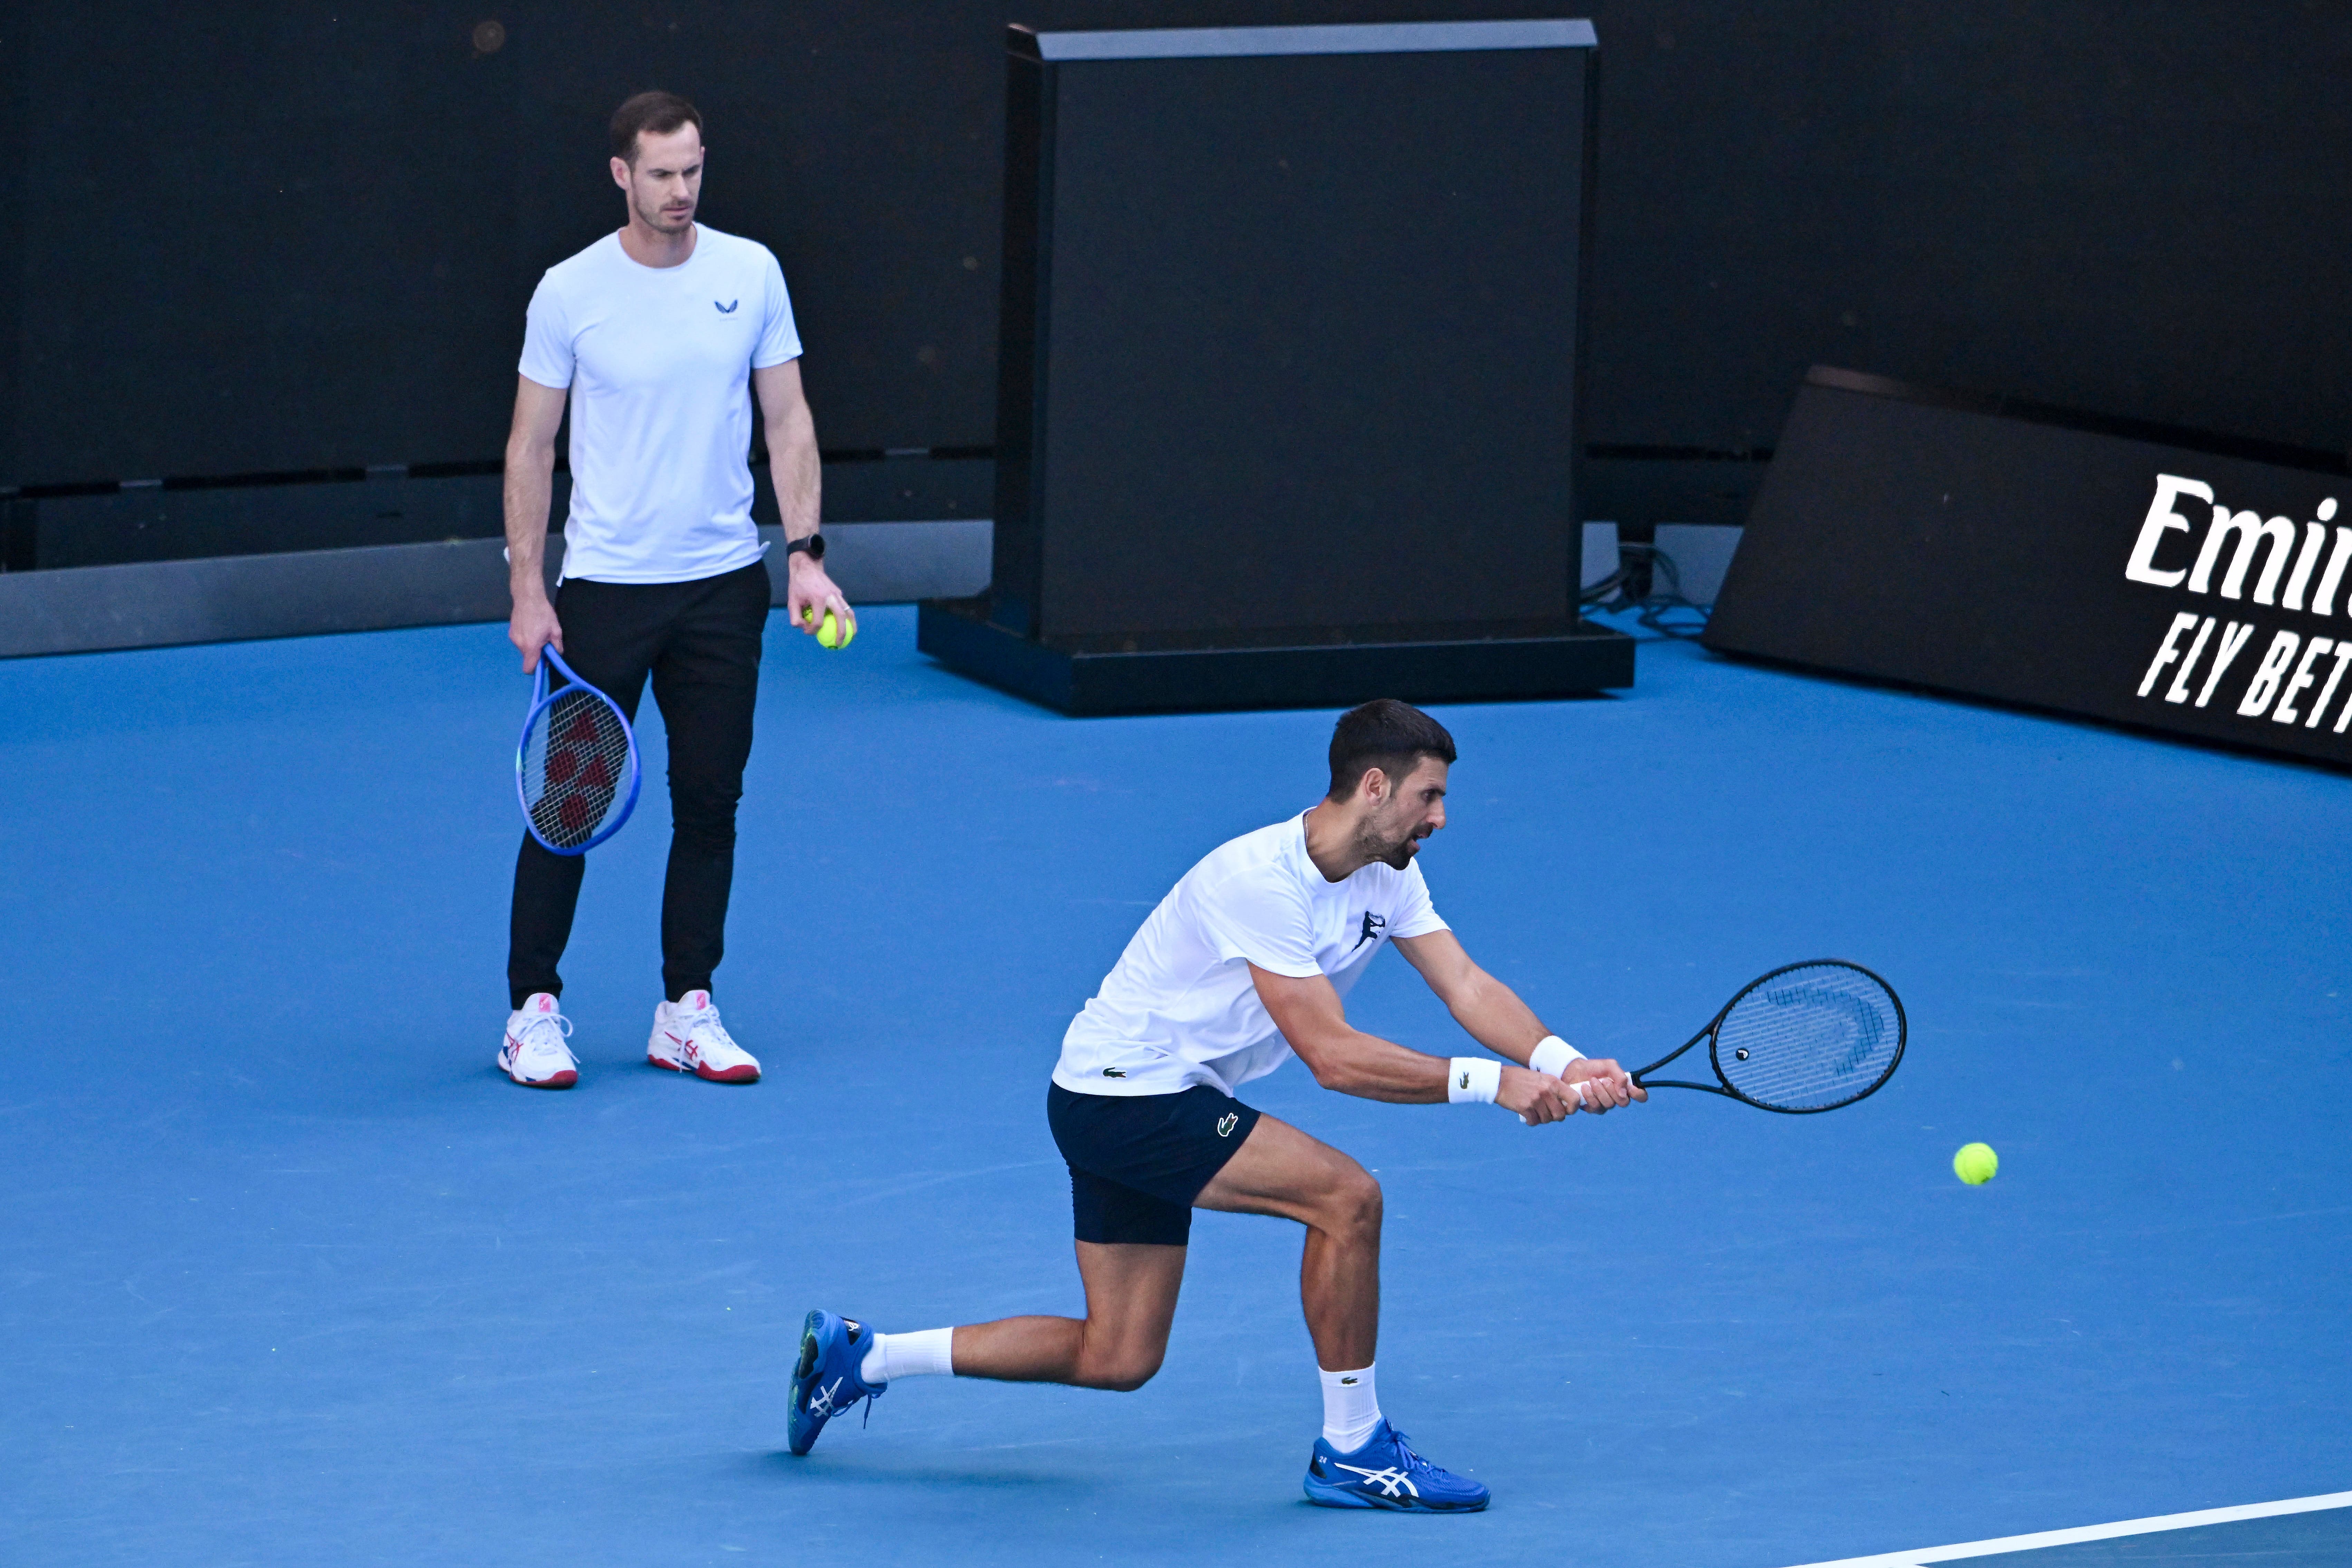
(577,768)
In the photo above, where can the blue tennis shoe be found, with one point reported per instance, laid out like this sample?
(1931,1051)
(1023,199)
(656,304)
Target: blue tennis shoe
(826,1382)
(1386,1473)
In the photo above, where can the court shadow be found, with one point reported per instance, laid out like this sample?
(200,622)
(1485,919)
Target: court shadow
(972,1473)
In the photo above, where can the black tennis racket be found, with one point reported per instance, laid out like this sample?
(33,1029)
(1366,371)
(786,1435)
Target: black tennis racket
(1807,1037)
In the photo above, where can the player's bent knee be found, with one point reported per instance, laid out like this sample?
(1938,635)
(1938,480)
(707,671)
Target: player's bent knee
(1358,1204)
(1121,1376)
(1124,1383)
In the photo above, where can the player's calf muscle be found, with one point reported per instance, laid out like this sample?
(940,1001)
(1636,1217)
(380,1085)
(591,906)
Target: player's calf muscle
(1080,1353)
(1130,1302)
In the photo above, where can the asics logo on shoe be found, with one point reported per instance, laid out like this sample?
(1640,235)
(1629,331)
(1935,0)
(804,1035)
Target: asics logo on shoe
(1391,1481)
(1114,1072)
(1226,1123)
(821,1402)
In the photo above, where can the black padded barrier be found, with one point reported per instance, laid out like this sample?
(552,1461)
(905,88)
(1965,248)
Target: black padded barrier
(233,598)
(2138,574)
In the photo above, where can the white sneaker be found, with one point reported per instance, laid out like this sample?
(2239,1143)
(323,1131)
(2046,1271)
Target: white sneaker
(535,1055)
(688,1038)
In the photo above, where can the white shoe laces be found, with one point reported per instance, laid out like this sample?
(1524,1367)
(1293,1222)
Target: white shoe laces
(545,1031)
(703,1027)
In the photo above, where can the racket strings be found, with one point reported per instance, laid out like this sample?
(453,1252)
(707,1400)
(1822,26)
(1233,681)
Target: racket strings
(575,768)
(1812,1037)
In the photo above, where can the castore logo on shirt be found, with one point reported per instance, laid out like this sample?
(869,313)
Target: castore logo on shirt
(728,308)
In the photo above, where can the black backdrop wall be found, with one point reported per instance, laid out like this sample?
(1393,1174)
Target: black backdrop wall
(302,236)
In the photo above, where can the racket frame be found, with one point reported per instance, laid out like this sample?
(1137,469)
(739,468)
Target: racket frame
(540,697)
(1722,1085)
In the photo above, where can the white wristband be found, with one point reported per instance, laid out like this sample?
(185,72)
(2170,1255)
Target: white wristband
(1474,1080)
(1552,1056)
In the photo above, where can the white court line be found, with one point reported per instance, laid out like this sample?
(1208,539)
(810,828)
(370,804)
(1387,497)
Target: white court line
(2092,1533)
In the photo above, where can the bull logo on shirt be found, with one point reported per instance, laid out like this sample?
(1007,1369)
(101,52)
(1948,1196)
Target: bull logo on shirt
(1373,925)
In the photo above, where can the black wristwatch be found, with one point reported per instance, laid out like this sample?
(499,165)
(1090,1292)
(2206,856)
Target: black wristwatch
(813,544)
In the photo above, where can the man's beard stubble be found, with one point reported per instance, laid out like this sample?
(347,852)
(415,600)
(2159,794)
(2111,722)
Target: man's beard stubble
(656,221)
(1393,852)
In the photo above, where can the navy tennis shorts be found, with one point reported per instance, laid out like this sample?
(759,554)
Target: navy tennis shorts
(1138,1161)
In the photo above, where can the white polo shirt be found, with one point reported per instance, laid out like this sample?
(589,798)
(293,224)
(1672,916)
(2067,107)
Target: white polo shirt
(659,361)
(1180,1008)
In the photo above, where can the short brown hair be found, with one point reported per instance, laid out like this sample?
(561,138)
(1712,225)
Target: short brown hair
(659,112)
(1387,734)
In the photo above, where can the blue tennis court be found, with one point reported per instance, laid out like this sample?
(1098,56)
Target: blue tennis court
(294,1276)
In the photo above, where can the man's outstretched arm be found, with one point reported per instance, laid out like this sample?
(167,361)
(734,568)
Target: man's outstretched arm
(1345,1059)
(1492,1013)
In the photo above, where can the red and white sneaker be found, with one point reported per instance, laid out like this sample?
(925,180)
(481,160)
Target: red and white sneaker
(688,1038)
(535,1055)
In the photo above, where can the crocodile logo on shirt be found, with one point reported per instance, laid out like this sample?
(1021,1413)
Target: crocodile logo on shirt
(728,308)
(1373,925)
(1114,1072)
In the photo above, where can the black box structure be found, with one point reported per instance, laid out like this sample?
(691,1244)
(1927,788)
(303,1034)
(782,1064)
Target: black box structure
(2144,574)
(1288,395)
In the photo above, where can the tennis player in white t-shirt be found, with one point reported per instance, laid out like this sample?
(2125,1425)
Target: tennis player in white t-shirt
(1243,964)
(657,336)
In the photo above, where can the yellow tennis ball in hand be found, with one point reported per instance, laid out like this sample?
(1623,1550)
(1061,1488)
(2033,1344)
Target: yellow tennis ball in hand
(1975,1163)
(833,634)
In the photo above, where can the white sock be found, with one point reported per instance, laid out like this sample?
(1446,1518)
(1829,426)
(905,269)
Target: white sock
(894,1356)
(1351,1409)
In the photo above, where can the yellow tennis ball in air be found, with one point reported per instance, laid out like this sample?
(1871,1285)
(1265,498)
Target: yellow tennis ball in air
(1975,1163)
(833,634)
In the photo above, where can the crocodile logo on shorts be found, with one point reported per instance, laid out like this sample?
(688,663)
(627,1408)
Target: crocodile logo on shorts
(1227,1122)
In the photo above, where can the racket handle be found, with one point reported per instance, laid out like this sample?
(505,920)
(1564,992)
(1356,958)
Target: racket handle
(1577,1086)
(1580,1101)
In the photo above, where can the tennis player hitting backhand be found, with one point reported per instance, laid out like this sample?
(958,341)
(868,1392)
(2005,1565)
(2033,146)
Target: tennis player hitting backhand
(1243,964)
(652,333)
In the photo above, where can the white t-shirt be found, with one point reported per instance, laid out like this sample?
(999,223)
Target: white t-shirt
(1180,1009)
(659,362)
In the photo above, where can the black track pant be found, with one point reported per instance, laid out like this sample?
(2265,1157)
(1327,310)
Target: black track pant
(700,643)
